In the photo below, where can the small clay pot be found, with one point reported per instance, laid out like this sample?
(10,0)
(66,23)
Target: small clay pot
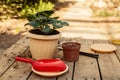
(71,51)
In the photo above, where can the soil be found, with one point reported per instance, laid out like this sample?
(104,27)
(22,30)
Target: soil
(11,30)
(39,32)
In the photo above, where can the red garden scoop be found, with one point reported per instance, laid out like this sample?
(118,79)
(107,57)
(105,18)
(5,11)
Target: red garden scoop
(45,65)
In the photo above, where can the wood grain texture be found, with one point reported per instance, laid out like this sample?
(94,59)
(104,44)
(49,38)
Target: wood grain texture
(8,57)
(118,52)
(109,65)
(18,71)
(67,75)
(86,68)
(34,76)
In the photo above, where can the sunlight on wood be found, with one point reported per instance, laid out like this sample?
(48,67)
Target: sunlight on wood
(85,35)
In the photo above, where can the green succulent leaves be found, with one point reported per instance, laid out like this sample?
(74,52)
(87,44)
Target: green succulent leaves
(44,22)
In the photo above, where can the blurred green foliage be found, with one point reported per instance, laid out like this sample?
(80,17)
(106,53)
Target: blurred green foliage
(23,8)
(110,8)
(106,13)
(36,7)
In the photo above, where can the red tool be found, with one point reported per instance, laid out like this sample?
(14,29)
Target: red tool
(45,65)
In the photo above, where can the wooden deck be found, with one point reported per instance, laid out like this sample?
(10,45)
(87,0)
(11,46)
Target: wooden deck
(106,67)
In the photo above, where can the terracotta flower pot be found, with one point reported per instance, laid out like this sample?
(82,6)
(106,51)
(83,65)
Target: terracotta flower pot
(71,51)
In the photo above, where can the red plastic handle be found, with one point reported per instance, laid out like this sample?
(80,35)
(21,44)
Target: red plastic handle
(24,59)
(47,65)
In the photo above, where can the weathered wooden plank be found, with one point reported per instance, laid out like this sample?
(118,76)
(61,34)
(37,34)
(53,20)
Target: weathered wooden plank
(18,71)
(7,58)
(109,78)
(118,51)
(109,65)
(68,75)
(86,68)
(34,76)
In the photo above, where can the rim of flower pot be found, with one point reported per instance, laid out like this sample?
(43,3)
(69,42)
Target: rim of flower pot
(36,36)
(71,45)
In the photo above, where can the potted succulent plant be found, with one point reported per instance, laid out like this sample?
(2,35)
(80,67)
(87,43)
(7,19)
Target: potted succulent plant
(44,35)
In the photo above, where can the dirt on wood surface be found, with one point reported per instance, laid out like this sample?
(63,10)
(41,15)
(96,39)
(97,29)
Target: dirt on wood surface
(10,32)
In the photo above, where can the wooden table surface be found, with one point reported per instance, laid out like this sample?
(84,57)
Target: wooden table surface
(106,67)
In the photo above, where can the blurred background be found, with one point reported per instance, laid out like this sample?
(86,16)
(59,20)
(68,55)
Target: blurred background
(23,8)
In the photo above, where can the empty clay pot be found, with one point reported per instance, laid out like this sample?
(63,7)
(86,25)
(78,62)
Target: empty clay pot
(71,51)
